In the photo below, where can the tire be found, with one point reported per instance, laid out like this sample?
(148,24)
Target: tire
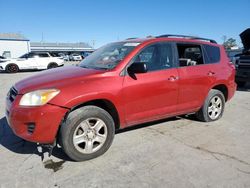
(12,68)
(241,83)
(52,65)
(213,107)
(87,133)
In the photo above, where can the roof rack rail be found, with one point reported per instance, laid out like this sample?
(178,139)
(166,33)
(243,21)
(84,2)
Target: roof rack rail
(186,36)
(131,38)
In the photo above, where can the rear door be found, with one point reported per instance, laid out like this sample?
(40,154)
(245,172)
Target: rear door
(196,77)
(43,60)
(151,95)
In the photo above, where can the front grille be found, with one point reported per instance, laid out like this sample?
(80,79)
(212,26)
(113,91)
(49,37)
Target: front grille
(244,63)
(12,94)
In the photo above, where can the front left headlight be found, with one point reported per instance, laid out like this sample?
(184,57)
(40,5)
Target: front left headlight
(38,97)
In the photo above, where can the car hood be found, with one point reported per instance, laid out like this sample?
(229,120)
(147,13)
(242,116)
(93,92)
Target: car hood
(12,60)
(245,39)
(4,60)
(54,78)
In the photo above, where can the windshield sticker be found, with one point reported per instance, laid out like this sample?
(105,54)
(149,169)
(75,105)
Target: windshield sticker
(131,44)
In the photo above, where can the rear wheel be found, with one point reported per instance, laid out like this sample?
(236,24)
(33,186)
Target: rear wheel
(12,68)
(87,133)
(213,107)
(52,65)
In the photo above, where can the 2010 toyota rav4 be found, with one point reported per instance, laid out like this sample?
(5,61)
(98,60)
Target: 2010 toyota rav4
(120,85)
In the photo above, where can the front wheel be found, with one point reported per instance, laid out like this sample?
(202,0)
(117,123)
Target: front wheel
(87,133)
(12,68)
(213,107)
(52,65)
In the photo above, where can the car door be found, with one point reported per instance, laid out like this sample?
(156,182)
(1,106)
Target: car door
(43,60)
(196,77)
(28,61)
(151,95)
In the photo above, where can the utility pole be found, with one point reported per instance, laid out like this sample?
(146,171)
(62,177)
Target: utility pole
(42,38)
(93,43)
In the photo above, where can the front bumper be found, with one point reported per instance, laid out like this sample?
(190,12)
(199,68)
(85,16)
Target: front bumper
(2,66)
(45,121)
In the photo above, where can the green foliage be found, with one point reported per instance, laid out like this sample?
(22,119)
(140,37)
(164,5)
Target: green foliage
(229,43)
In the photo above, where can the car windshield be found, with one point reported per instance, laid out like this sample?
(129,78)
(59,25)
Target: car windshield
(108,56)
(24,56)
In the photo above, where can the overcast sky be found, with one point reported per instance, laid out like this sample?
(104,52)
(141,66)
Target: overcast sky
(103,21)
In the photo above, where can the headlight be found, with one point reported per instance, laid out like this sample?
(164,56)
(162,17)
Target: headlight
(38,97)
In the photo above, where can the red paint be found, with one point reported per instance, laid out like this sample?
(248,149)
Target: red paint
(154,95)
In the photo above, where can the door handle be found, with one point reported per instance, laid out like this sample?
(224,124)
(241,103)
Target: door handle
(173,78)
(211,73)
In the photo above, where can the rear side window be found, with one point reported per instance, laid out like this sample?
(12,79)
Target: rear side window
(212,54)
(43,55)
(190,54)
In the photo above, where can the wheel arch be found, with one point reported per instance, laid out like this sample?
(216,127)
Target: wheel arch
(101,103)
(223,88)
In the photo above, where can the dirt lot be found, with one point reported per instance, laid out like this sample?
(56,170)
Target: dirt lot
(177,152)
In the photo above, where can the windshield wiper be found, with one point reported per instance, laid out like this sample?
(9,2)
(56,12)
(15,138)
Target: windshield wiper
(97,68)
(100,68)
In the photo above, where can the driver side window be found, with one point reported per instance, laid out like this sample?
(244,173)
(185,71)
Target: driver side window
(157,56)
(30,55)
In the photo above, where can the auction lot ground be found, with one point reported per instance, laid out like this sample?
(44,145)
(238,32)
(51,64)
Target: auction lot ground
(177,152)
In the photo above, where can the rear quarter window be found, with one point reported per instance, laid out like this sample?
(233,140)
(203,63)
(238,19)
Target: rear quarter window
(212,54)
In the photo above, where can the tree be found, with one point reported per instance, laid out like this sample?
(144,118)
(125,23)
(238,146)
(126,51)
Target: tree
(229,43)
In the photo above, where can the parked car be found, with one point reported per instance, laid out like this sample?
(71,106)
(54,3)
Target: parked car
(75,57)
(233,55)
(120,85)
(85,54)
(242,61)
(29,61)
(64,56)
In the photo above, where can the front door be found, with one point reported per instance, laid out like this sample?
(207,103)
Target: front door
(152,95)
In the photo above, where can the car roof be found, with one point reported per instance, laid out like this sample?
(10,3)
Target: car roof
(174,38)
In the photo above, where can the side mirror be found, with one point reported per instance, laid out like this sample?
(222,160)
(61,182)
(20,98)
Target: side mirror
(137,67)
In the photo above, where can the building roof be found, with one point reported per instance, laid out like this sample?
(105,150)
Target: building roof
(52,46)
(13,36)
(55,44)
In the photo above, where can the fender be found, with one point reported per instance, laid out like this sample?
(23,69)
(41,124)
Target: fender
(88,97)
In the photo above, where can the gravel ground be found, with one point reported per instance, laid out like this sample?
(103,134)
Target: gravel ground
(176,152)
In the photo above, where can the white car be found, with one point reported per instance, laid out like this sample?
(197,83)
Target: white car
(75,57)
(29,61)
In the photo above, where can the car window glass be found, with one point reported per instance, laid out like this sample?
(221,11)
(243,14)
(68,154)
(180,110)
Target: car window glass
(212,53)
(30,55)
(190,55)
(43,55)
(108,56)
(156,57)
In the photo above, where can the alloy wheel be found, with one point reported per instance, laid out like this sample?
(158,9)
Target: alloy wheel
(215,107)
(90,135)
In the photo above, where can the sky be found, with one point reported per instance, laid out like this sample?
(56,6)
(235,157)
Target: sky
(102,21)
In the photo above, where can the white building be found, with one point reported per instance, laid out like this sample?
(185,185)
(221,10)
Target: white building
(13,45)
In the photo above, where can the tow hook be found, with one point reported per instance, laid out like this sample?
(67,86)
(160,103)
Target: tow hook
(46,147)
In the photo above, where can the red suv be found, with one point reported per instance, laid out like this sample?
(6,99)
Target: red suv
(121,84)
